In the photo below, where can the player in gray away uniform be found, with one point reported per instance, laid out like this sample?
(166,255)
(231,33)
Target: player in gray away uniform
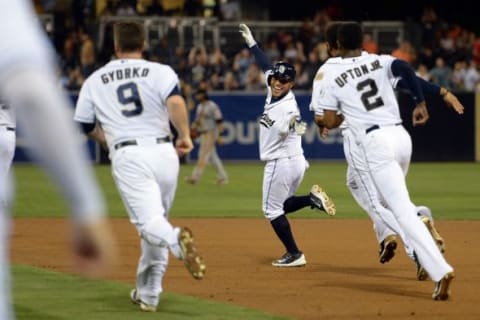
(133,101)
(359,183)
(359,85)
(209,124)
(280,147)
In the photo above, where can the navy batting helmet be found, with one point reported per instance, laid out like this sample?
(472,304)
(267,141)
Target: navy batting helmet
(283,71)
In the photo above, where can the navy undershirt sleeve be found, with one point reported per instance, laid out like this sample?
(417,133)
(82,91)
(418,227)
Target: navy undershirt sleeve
(87,127)
(402,69)
(427,87)
(175,91)
(261,58)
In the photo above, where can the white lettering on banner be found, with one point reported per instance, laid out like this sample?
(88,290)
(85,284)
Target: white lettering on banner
(236,132)
(246,133)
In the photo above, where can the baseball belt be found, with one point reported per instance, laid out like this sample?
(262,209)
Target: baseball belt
(134,142)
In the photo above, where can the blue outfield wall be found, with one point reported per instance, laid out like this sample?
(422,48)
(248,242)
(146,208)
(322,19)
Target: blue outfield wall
(446,137)
(241,114)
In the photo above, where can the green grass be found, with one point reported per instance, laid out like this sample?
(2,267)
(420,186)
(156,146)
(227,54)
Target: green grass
(46,295)
(451,190)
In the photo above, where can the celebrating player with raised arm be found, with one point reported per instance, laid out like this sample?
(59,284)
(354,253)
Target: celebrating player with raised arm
(359,182)
(133,101)
(280,147)
(359,86)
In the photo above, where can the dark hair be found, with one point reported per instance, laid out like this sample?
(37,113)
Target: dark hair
(350,36)
(203,92)
(129,36)
(331,34)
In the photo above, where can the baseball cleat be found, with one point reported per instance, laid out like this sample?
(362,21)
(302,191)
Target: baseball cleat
(435,235)
(442,287)
(190,180)
(321,201)
(143,306)
(291,260)
(422,274)
(387,248)
(192,260)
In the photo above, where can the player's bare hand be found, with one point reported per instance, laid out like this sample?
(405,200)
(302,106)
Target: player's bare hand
(324,131)
(247,35)
(420,114)
(184,145)
(452,101)
(94,248)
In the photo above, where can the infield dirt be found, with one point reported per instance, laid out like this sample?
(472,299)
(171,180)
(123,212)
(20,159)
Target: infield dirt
(342,280)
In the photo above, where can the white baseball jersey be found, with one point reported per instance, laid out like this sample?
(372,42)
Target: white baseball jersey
(7,116)
(361,88)
(277,139)
(128,98)
(356,85)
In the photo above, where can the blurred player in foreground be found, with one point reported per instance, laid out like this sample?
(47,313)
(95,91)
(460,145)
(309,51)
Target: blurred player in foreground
(28,85)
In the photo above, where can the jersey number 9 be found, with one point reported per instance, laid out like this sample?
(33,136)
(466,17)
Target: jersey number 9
(128,94)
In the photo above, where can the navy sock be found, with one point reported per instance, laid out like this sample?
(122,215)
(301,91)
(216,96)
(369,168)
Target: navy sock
(284,233)
(295,203)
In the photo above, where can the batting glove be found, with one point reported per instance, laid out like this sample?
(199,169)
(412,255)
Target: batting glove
(300,127)
(247,35)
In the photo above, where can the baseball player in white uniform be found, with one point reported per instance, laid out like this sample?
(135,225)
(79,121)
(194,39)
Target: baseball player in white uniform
(28,86)
(209,124)
(359,86)
(363,189)
(280,147)
(133,100)
(7,149)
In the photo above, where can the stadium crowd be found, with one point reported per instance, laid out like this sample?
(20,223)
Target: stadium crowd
(447,53)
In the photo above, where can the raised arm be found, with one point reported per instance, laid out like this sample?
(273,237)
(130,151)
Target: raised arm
(428,87)
(260,57)
(402,69)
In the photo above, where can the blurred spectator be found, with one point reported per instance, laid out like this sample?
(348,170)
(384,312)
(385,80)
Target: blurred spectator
(476,50)
(441,73)
(430,26)
(155,8)
(271,50)
(127,8)
(369,43)
(198,63)
(255,79)
(302,79)
(422,72)
(230,10)
(472,76)
(241,63)
(313,63)
(405,52)
(230,82)
(458,75)
(215,82)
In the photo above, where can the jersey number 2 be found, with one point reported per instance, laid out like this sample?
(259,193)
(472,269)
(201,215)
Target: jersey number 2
(127,94)
(369,90)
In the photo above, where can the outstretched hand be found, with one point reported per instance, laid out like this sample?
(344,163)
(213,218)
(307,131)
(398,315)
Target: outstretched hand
(452,101)
(420,114)
(247,35)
